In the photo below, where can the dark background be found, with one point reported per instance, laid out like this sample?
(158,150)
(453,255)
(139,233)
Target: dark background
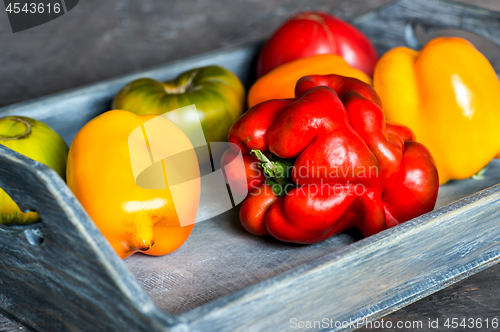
(102,39)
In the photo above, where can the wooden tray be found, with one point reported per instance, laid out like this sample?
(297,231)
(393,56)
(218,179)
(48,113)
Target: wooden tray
(61,274)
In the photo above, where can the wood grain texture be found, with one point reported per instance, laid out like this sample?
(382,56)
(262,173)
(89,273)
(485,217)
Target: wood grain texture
(99,40)
(220,257)
(61,274)
(373,276)
(68,111)
(476,297)
(7,325)
(105,39)
(222,285)
(394,24)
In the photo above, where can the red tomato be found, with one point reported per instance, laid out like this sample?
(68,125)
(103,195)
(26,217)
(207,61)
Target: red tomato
(311,33)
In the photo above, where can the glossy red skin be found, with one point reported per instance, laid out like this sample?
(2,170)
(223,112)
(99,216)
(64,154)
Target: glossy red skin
(242,184)
(254,209)
(311,33)
(353,170)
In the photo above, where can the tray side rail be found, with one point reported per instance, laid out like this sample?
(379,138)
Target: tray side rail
(60,273)
(68,111)
(370,278)
(394,24)
(99,293)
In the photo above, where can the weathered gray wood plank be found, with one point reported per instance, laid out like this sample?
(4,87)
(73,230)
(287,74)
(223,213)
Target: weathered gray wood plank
(73,278)
(68,111)
(7,325)
(476,297)
(394,24)
(220,257)
(371,277)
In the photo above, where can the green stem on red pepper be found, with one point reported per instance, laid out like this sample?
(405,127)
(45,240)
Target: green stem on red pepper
(277,171)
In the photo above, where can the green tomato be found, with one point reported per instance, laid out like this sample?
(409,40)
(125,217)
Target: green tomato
(37,141)
(217,93)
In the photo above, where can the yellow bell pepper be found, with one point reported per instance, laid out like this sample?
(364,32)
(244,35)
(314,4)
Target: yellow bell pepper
(100,172)
(449,95)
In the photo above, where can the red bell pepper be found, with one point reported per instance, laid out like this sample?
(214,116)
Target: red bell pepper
(310,33)
(331,164)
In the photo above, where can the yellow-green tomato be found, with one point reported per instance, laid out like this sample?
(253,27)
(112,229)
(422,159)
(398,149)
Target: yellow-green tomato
(218,94)
(37,141)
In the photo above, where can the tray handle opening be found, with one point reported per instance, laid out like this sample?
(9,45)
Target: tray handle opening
(63,264)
